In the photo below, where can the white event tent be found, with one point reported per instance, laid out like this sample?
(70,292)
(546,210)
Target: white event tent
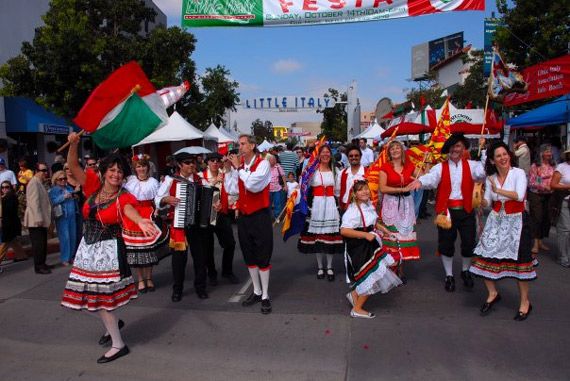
(177,129)
(372,132)
(220,134)
(264,146)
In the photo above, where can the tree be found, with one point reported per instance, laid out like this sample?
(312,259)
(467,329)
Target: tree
(333,125)
(533,31)
(219,94)
(474,89)
(262,130)
(82,42)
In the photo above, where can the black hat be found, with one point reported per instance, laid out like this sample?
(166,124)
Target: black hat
(180,157)
(452,140)
(213,156)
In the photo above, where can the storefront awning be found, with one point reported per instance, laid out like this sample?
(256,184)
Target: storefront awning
(25,115)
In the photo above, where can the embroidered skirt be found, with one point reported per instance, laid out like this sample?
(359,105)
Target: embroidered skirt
(399,217)
(368,267)
(321,233)
(100,277)
(495,266)
(142,250)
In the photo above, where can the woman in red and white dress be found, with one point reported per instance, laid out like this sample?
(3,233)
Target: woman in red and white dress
(142,250)
(100,279)
(397,212)
(321,234)
(504,250)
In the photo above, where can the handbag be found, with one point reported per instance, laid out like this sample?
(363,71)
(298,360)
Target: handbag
(57,211)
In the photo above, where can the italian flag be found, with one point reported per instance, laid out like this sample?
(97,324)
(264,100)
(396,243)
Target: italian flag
(123,109)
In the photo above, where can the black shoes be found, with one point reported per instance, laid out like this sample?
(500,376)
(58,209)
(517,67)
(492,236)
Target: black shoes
(252,299)
(265,306)
(231,278)
(487,306)
(43,270)
(213,282)
(520,316)
(107,338)
(467,279)
(320,274)
(202,294)
(449,283)
(122,352)
(176,296)
(330,275)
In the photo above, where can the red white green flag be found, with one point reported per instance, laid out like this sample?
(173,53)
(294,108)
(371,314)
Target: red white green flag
(123,109)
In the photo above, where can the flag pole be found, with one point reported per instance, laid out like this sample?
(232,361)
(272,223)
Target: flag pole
(490,82)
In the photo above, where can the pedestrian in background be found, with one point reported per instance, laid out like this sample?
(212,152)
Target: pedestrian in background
(64,207)
(288,159)
(11,227)
(276,186)
(538,197)
(560,183)
(37,217)
(522,153)
(79,199)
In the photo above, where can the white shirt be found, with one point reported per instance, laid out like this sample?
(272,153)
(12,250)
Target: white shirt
(257,180)
(291,186)
(350,179)
(142,190)
(352,219)
(8,175)
(564,170)
(432,179)
(515,181)
(367,157)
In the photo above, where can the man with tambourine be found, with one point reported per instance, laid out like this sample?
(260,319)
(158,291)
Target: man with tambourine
(454,180)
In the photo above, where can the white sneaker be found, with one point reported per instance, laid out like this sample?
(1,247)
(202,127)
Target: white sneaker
(350,298)
(368,315)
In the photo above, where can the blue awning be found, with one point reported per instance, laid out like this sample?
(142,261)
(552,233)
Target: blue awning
(25,115)
(555,112)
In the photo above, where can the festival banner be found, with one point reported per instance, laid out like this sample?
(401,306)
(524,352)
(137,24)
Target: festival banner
(545,80)
(205,13)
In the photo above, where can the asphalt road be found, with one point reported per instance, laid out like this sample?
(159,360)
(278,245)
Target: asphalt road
(421,331)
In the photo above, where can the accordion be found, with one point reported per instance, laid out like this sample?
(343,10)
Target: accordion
(196,206)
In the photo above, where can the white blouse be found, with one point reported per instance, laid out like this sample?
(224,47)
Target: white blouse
(142,190)
(515,181)
(323,179)
(352,219)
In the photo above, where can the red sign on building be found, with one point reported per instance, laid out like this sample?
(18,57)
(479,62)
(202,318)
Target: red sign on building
(545,80)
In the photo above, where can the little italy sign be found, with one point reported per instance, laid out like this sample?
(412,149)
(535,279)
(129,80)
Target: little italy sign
(288,103)
(311,12)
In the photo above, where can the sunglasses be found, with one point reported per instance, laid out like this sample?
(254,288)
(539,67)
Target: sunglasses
(353,155)
(62,179)
(6,187)
(188,162)
(43,170)
(92,164)
(215,160)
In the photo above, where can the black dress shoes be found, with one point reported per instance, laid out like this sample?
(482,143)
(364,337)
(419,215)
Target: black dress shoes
(231,278)
(449,283)
(520,316)
(251,300)
(487,306)
(43,271)
(213,282)
(467,279)
(107,338)
(265,306)
(176,296)
(330,275)
(122,352)
(202,294)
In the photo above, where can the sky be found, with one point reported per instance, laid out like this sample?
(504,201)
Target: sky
(308,60)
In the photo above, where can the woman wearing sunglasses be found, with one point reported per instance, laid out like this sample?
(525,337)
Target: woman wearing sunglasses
(64,208)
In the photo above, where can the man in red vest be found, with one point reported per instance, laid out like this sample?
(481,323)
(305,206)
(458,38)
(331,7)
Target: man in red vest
(255,231)
(454,179)
(348,176)
(227,184)
(180,237)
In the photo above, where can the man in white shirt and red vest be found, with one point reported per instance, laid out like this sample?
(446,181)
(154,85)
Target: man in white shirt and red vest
(180,237)
(213,176)
(348,176)
(454,180)
(255,231)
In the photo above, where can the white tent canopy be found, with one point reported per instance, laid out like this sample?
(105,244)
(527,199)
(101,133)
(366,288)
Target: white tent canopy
(177,129)
(264,146)
(219,134)
(372,132)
